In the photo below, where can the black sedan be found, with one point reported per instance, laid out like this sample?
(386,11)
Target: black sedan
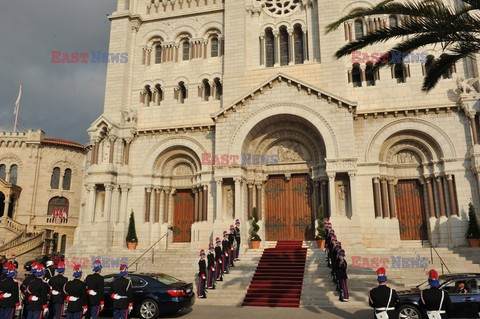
(465,305)
(154,295)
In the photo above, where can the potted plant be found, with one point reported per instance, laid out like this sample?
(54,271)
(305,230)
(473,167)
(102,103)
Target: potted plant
(254,237)
(132,239)
(320,230)
(473,231)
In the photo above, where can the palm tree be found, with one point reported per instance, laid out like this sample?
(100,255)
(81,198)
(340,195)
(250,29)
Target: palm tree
(427,23)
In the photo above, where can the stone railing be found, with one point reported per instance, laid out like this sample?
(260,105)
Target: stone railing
(14,242)
(27,245)
(12,225)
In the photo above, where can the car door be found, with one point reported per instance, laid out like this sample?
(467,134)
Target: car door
(138,287)
(466,305)
(108,282)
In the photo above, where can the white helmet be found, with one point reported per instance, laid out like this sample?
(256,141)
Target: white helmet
(49,263)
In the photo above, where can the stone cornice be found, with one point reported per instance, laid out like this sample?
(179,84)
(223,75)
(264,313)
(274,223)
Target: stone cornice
(176,129)
(411,111)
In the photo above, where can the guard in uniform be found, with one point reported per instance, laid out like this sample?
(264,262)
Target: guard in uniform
(5,268)
(9,296)
(38,291)
(57,299)
(341,267)
(95,291)
(219,260)
(76,291)
(237,238)
(383,298)
(231,240)
(29,277)
(14,262)
(211,267)
(226,252)
(122,294)
(202,275)
(49,271)
(434,301)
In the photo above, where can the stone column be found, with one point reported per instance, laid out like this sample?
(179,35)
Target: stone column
(195,195)
(305,45)
(331,194)
(291,49)
(115,200)
(112,148)
(474,128)
(200,203)
(309,33)
(126,153)
(392,199)
(92,152)
(386,213)
(441,196)
(205,203)
(161,218)
(262,50)
(276,48)
(377,197)
(7,205)
(91,202)
(108,202)
(157,206)
(451,194)
(238,197)
(170,206)
(315,200)
(431,202)
(152,205)
(219,208)
(323,197)
(123,204)
(250,201)
(353,192)
(148,193)
(166,209)
(259,201)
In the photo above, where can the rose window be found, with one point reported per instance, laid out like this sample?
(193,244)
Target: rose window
(281,7)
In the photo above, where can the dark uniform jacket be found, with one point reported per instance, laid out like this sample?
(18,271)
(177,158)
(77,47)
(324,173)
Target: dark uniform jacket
(49,273)
(39,289)
(123,287)
(10,286)
(231,239)
(379,299)
(202,268)
(95,282)
(57,283)
(78,289)
(237,232)
(225,246)
(430,300)
(218,253)
(211,260)
(24,288)
(341,267)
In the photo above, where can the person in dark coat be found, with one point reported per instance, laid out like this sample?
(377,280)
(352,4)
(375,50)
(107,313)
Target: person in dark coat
(29,277)
(434,301)
(226,252)
(9,294)
(76,292)
(237,238)
(211,267)
(383,298)
(57,300)
(14,262)
(49,271)
(38,291)
(337,245)
(218,260)
(95,285)
(341,267)
(329,245)
(122,294)
(5,268)
(231,240)
(202,275)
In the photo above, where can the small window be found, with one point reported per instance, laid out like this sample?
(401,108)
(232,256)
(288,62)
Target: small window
(158,53)
(218,89)
(298,42)
(182,92)
(370,74)
(137,282)
(55,179)
(148,95)
(13,174)
(3,172)
(447,74)
(356,75)
(159,94)
(58,207)
(186,50)
(399,73)
(269,48)
(393,21)
(206,90)
(63,244)
(428,64)
(359,29)
(284,46)
(67,179)
(214,47)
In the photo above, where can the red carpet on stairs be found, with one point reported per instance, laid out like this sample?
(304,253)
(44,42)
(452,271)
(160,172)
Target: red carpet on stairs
(278,279)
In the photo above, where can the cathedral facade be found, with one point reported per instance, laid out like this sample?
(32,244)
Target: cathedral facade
(227,106)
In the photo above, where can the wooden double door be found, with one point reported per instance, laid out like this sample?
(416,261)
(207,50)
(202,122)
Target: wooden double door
(288,208)
(183,215)
(409,197)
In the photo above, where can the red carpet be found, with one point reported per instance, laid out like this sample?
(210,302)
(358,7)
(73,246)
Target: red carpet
(278,279)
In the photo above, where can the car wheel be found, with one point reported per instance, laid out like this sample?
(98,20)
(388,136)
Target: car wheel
(409,312)
(148,309)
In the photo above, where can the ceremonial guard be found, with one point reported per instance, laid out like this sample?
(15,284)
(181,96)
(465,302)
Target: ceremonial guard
(9,295)
(49,271)
(226,252)
(219,260)
(38,291)
(231,241)
(14,262)
(5,268)
(434,301)
(383,298)
(202,271)
(237,238)
(211,267)
(95,291)
(341,267)
(122,295)
(333,257)
(329,245)
(57,300)
(76,291)
(29,277)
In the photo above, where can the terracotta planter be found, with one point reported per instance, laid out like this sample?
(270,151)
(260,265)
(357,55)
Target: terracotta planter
(255,244)
(474,242)
(132,246)
(321,243)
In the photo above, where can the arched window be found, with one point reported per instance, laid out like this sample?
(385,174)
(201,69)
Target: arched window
(158,53)
(158,94)
(298,44)
(206,90)
(148,95)
(269,48)
(399,73)
(356,75)
(218,89)
(284,48)
(370,74)
(393,21)
(428,63)
(63,244)
(359,29)
(214,47)
(447,74)
(181,92)
(11,207)
(55,179)
(58,208)
(67,179)
(13,174)
(3,172)
(186,50)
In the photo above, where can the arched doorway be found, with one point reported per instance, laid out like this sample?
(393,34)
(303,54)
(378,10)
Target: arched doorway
(287,156)
(2,203)
(11,207)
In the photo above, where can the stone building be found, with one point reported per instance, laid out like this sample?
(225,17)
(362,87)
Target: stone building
(40,192)
(228,105)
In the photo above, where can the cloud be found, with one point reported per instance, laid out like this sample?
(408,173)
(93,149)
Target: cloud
(61,99)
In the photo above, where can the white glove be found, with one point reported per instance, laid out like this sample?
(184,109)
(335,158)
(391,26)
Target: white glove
(220,261)
(116,297)
(130,309)
(19,308)
(55,293)
(34,298)
(85,310)
(226,255)
(92,293)
(72,298)
(7,295)
(101,307)
(45,311)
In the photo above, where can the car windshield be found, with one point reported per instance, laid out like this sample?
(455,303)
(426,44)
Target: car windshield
(166,279)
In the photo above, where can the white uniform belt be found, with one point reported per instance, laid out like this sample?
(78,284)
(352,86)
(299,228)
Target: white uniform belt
(384,309)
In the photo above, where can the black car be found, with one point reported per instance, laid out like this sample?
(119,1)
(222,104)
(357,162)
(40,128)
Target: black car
(154,294)
(465,305)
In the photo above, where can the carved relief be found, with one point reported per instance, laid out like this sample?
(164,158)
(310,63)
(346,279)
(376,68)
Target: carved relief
(290,151)
(183,170)
(406,157)
(130,116)
(230,202)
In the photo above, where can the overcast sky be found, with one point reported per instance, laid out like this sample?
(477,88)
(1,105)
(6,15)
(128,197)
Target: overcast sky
(60,99)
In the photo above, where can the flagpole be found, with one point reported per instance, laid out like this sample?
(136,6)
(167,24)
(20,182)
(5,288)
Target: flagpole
(17,107)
